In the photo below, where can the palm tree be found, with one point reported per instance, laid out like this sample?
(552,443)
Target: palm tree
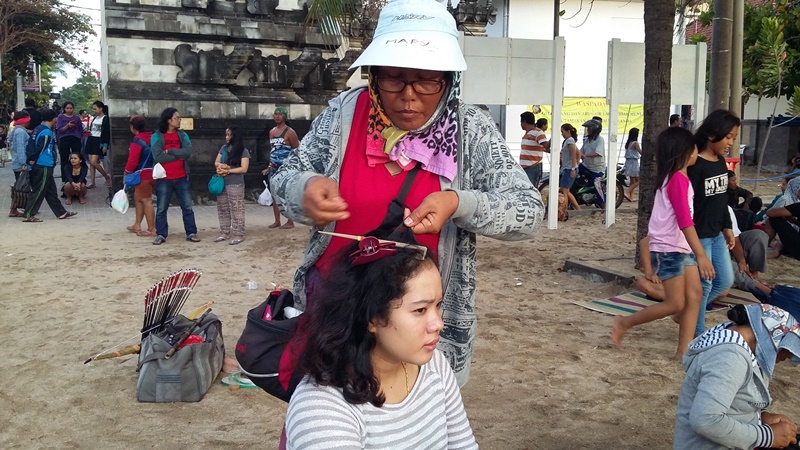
(659,19)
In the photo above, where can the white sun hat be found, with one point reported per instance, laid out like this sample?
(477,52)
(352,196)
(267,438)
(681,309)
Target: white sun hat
(415,34)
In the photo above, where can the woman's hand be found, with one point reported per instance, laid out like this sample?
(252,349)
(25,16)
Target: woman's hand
(265,171)
(572,173)
(729,238)
(706,268)
(322,202)
(769,418)
(784,434)
(432,213)
(653,278)
(744,268)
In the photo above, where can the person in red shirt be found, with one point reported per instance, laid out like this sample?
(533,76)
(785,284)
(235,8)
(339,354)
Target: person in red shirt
(171,148)
(140,159)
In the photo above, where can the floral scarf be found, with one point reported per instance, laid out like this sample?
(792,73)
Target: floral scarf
(434,145)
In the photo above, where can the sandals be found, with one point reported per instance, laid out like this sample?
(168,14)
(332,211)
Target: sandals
(236,241)
(82,201)
(132,229)
(15,214)
(91,186)
(192,238)
(159,240)
(145,233)
(67,215)
(68,201)
(221,238)
(33,219)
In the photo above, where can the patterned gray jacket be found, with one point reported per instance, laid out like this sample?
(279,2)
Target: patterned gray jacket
(496,199)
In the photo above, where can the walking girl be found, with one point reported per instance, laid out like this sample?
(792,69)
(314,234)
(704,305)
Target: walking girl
(232,163)
(570,158)
(675,250)
(97,142)
(709,177)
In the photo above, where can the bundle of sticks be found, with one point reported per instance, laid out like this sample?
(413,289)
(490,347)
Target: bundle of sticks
(165,300)
(162,303)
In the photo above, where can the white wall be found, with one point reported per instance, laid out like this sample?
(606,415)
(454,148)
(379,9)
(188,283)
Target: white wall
(767,104)
(586,34)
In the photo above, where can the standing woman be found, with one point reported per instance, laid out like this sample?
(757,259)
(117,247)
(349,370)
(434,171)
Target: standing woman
(172,148)
(709,177)
(140,158)
(570,157)
(633,152)
(409,124)
(69,131)
(232,163)
(97,142)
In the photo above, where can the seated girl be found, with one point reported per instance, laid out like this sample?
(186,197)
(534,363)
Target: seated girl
(725,394)
(374,376)
(75,179)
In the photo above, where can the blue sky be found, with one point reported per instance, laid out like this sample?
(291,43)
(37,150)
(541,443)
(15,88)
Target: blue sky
(91,49)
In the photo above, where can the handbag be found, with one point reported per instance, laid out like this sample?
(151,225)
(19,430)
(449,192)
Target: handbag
(270,346)
(217,183)
(186,375)
(134,178)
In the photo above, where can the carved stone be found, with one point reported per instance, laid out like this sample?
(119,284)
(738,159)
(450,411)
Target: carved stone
(201,4)
(338,71)
(303,66)
(211,67)
(262,7)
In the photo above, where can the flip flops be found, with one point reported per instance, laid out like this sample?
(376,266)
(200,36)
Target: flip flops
(239,380)
(236,241)
(159,240)
(67,215)
(32,220)
(192,238)
(145,233)
(220,239)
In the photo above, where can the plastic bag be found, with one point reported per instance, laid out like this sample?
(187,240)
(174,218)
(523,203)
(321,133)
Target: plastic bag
(265,199)
(120,201)
(159,172)
(23,183)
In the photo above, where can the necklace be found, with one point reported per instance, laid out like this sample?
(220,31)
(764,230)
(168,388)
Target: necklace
(408,389)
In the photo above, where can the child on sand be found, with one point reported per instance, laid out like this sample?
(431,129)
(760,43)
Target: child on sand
(675,250)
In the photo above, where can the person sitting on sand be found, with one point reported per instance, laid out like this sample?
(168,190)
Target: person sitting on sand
(672,240)
(725,395)
(374,376)
(75,178)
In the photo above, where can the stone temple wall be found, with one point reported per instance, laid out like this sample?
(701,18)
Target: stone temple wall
(220,63)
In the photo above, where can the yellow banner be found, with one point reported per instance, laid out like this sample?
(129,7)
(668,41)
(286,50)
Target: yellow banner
(577,110)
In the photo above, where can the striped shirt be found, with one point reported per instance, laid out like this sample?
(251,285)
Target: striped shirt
(532,148)
(431,417)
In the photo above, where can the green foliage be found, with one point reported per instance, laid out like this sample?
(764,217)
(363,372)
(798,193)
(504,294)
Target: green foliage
(697,38)
(766,49)
(766,59)
(45,31)
(794,103)
(83,93)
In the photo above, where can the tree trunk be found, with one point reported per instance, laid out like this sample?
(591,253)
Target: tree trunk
(659,18)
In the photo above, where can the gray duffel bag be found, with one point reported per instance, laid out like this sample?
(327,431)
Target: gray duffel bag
(187,375)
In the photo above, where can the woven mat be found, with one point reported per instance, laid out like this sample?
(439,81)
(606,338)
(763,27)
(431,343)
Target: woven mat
(631,302)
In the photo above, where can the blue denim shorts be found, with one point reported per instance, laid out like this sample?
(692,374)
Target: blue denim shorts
(670,264)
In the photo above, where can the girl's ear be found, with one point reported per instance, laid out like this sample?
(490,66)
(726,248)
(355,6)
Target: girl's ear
(371,327)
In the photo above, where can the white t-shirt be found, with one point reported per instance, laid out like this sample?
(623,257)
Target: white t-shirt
(96,129)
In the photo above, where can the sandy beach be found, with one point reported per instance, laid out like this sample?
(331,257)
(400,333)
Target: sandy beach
(545,375)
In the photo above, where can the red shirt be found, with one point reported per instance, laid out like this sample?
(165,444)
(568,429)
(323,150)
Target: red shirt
(134,157)
(174,169)
(369,190)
